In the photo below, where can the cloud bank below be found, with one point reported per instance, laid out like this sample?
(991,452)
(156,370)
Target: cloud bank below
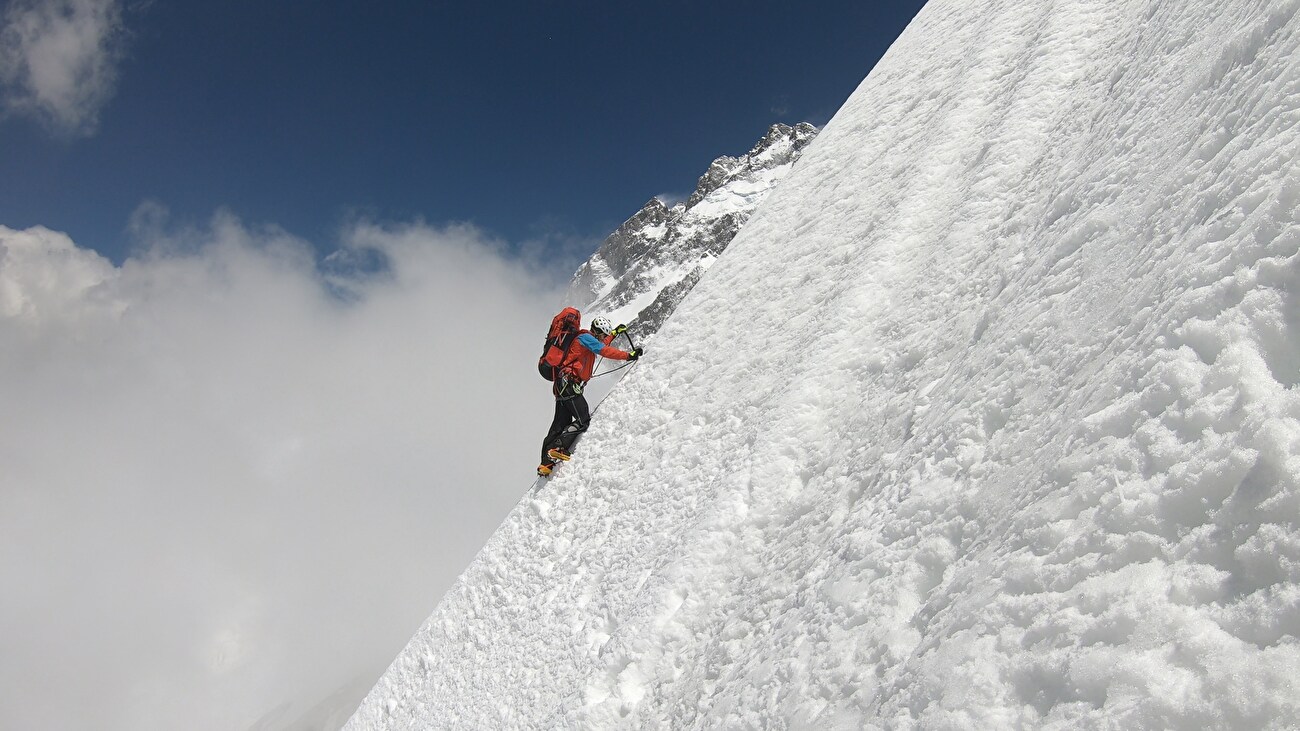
(235,480)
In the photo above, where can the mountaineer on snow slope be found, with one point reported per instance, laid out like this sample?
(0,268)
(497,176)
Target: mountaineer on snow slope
(568,361)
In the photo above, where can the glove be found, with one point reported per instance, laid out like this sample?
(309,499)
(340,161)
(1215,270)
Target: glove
(635,353)
(620,329)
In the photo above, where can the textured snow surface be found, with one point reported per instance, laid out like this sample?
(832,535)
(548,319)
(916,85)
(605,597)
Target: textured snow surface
(988,418)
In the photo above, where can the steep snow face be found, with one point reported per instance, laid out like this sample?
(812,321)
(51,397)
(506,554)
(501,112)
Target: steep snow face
(644,269)
(988,418)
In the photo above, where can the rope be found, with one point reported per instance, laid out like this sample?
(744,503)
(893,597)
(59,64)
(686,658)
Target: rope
(596,408)
(601,359)
(614,370)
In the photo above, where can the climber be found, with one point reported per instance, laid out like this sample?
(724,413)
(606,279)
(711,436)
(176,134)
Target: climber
(572,414)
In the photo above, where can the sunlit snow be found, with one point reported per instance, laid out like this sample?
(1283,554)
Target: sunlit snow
(988,418)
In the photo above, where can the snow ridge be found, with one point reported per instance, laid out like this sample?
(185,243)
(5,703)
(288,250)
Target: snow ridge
(643,270)
(988,418)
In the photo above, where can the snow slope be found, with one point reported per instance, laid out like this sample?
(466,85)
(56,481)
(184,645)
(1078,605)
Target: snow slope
(988,418)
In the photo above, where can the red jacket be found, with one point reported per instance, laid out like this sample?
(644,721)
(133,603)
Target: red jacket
(581,357)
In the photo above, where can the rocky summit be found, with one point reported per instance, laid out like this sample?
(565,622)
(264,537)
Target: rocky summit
(648,265)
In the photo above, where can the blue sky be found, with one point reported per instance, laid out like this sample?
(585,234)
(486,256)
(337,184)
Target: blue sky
(535,121)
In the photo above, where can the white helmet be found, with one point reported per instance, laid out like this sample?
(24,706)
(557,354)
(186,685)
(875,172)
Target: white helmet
(601,324)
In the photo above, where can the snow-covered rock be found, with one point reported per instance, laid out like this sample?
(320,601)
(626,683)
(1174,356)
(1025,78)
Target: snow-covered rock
(643,269)
(988,418)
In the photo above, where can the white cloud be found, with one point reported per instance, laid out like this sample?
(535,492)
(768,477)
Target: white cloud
(672,199)
(58,60)
(45,277)
(225,488)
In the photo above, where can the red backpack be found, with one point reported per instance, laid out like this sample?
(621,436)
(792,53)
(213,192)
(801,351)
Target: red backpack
(564,327)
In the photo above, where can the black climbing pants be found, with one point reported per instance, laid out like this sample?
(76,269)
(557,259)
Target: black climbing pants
(571,419)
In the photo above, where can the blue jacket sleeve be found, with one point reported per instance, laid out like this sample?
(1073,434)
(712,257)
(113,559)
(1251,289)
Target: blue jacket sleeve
(595,345)
(591,342)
